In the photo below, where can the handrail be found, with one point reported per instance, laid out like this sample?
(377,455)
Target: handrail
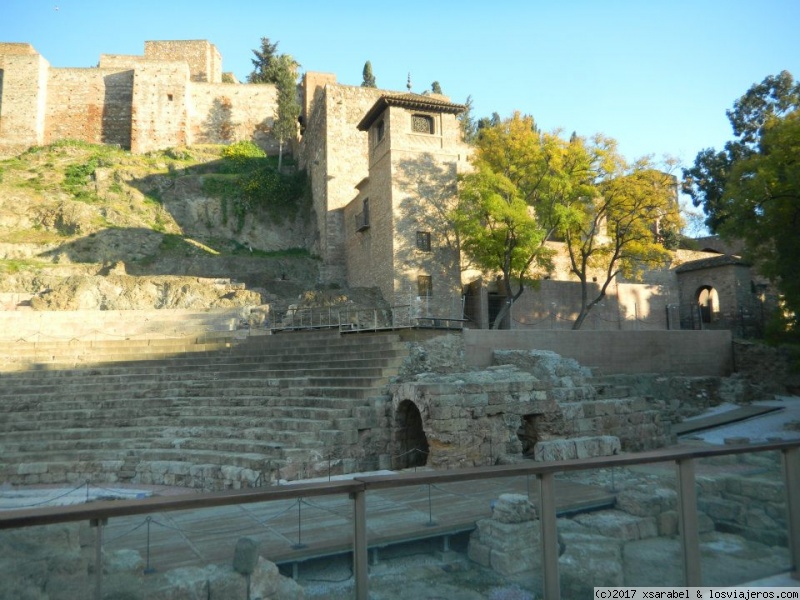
(357,487)
(122,508)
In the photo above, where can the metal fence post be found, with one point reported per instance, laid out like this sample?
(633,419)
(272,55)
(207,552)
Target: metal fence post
(791,470)
(547,521)
(360,554)
(688,522)
(98,524)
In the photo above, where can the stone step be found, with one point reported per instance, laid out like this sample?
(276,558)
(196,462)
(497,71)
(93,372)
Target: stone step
(38,462)
(194,354)
(124,406)
(160,373)
(611,390)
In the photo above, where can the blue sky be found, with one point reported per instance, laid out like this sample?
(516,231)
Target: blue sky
(657,76)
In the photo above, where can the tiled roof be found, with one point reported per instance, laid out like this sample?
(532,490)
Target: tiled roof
(412,101)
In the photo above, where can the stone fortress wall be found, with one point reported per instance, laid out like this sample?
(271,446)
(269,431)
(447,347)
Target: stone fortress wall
(171,96)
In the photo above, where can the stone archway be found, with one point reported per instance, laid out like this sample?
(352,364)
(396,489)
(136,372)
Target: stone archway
(410,441)
(708,302)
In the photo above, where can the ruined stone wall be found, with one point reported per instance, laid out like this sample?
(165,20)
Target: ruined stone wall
(160,98)
(93,105)
(226,112)
(667,352)
(23,98)
(532,403)
(203,58)
(141,103)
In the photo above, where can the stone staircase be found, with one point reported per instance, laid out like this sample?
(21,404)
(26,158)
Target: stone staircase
(215,414)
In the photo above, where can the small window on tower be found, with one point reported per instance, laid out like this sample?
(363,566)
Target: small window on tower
(424,241)
(422,124)
(424,286)
(380,130)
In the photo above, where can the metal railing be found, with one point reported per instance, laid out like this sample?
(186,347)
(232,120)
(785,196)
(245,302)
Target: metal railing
(684,459)
(362,319)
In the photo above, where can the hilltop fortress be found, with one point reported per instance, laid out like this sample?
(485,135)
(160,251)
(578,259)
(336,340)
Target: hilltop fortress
(382,169)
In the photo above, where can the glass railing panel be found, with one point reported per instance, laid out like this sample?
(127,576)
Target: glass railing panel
(48,561)
(741,501)
(427,539)
(219,552)
(618,529)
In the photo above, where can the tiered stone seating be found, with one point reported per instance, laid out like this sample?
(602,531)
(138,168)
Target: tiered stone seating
(225,416)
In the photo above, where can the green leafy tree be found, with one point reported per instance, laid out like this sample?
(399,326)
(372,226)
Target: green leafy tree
(369,78)
(436,88)
(498,230)
(530,187)
(750,190)
(619,224)
(705,181)
(262,63)
(284,72)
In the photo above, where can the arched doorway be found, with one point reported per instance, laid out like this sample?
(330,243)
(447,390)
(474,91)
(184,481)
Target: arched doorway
(708,303)
(409,437)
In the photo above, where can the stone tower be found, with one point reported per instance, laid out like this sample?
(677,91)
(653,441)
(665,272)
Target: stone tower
(396,229)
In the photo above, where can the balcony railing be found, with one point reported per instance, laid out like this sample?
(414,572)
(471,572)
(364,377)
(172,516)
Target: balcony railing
(357,489)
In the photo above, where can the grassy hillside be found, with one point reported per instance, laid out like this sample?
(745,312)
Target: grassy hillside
(74,209)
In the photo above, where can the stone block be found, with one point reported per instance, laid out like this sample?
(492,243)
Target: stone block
(572,410)
(668,523)
(31,468)
(589,561)
(478,552)
(720,509)
(759,488)
(619,525)
(513,508)
(553,450)
(647,502)
(758,519)
(245,556)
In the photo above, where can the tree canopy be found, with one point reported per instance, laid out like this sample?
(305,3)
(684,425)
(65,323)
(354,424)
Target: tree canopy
(750,190)
(529,187)
(262,62)
(368,77)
